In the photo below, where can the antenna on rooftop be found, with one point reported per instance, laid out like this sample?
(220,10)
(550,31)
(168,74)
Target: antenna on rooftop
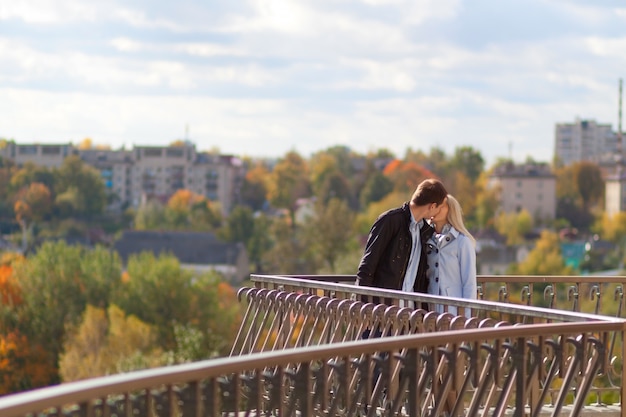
(619,119)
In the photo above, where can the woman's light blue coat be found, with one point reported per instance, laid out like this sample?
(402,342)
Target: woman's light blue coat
(451,266)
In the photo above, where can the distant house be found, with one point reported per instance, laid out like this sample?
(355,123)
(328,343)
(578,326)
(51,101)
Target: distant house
(200,252)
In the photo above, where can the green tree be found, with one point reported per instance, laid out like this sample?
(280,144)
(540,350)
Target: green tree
(161,293)
(149,216)
(329,233)
(287,253)
(79,189)
(469,161)
(54,293)
(375,189)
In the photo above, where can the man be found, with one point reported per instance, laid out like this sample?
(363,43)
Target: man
(394,257)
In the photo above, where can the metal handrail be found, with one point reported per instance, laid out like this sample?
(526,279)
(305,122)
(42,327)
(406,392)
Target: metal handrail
(310,381)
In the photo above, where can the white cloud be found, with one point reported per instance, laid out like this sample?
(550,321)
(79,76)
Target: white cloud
(48,11)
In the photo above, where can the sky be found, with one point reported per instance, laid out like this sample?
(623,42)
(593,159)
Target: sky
(261,78)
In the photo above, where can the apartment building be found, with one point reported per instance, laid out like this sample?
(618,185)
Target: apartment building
(49,156)
(584,140)
(529,186)
(145,172)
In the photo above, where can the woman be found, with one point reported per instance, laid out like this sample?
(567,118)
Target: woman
(451,256)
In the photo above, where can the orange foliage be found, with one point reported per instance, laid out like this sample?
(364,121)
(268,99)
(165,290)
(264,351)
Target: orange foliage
(406,175)
(181,200)
(392,167)
(226,294)
(9,292)
(22,366)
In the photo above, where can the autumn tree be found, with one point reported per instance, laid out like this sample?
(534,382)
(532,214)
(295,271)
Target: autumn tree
(487,202)
(406,176)
(102,343)
(289,182)
(545,258)
(514,226)
(254,188)
(32,203)
(23,365)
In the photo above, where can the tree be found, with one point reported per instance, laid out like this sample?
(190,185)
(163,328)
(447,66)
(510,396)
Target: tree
(375,189)
(405,176)
(102,343)
(31,205)
(57,282)
(514,226)
(288,253)
(487,201)
(80,189)
(545,258)
(23,365)
(590,183)
(254,189)
(329,233)
(149,216)
(469,161)
(578,187)
(161,293)
(288,182)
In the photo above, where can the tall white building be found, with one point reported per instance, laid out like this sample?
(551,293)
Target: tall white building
(584,140)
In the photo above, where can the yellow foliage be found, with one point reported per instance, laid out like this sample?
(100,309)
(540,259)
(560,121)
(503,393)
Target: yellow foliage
(102,341)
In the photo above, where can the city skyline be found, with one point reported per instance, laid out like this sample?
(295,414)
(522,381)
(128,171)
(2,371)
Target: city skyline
(262,77)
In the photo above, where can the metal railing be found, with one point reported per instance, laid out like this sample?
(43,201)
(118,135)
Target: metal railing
(304,350)
(505,370)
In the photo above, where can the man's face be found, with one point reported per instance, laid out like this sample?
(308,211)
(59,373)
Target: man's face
(436,209)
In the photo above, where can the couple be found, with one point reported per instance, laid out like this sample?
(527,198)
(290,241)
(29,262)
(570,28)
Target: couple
(405,252)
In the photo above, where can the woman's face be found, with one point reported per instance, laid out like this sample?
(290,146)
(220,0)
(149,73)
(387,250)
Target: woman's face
(442,215)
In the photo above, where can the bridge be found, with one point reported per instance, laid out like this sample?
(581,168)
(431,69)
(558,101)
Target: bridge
(321,346)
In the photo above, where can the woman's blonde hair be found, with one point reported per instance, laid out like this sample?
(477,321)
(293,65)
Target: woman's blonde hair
(455,217)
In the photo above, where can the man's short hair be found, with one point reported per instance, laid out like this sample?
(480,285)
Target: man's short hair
(429,191)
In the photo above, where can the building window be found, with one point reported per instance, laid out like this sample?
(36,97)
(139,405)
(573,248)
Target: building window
(50,150)
(151,152)
(174,152)
(27,150)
